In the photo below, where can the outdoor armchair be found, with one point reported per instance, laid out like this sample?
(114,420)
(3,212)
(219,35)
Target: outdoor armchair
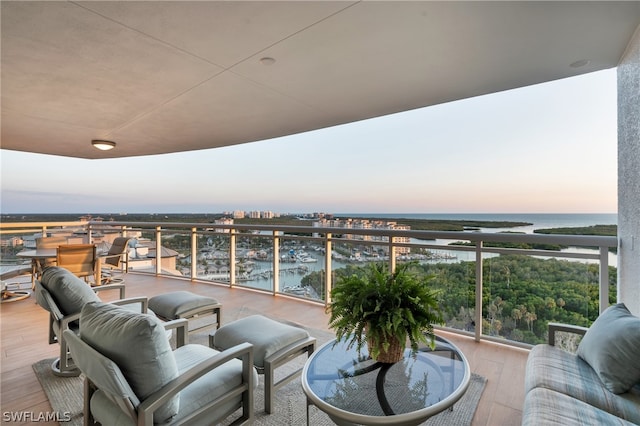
(133,377)
(81,260)
(115,263)
(63,295)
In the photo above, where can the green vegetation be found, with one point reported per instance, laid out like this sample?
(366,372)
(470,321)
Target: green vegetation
(606,230)
(386,306)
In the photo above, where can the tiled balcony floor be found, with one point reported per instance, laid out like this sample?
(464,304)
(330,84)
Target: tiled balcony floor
(24,341)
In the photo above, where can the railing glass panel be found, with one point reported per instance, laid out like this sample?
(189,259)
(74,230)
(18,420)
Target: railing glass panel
(525,280)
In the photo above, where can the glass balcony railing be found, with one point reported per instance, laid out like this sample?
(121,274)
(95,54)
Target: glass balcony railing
(497,286)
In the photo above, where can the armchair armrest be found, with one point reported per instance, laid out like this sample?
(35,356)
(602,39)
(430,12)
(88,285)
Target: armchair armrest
(110,287)
(553,327)
(244,351)
(58,326)
(65,321)
(181,325)
(143,301)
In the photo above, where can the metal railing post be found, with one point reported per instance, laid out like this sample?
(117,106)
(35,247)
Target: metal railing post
(276,262)
(478,319)
(232,257)
(194,254)
(327,269)
(158,250)
(392,255)
(604,278)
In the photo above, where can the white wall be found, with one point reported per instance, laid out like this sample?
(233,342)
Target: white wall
(629,176)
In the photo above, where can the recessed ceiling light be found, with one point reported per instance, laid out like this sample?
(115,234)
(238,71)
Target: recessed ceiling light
(103,145)
(267,61)
(581,63)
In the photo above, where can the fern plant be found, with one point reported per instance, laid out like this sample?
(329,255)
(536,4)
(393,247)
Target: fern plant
(378,305)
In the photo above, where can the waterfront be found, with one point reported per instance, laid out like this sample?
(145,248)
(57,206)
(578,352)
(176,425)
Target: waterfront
(291,273)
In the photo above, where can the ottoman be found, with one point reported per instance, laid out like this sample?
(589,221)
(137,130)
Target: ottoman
(274,344)
(184,304)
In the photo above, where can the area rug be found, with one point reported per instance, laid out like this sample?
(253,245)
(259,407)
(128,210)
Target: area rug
(65,395)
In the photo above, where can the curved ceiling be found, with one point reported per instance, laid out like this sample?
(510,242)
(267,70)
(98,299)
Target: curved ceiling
(161,76)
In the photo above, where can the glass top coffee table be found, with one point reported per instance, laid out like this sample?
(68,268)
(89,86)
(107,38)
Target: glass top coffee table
(353,389)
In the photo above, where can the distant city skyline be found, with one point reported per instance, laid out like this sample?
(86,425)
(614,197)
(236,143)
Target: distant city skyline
(548,148)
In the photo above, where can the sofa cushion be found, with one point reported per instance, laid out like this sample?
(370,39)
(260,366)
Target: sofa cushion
(544,407)
(552,368)
(611,346)
(69,292)
(137,343)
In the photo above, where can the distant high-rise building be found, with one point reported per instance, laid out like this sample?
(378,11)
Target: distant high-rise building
(367,224)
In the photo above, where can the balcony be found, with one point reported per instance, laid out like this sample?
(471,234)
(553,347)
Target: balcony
(22,322)
(492,353)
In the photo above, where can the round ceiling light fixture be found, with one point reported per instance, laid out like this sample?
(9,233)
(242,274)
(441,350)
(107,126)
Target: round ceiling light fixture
(103,145)
(267,61)
(579,64)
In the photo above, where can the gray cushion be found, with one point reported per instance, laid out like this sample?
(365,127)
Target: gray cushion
(212,385)
(266,335)
(546,407)
(107,412)
(138,344)
(69,292)
(172,305)
(611,347)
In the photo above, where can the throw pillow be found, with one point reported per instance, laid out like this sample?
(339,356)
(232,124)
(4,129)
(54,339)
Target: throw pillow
(138,344)
(611,347)
(69,292)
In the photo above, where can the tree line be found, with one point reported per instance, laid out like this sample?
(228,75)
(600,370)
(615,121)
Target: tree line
(521,294)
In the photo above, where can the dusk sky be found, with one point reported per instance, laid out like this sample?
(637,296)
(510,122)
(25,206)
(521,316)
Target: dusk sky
(549,148)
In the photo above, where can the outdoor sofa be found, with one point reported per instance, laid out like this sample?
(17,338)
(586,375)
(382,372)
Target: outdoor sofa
(598,385)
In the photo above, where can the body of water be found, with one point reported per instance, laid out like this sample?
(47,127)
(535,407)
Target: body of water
(537,221)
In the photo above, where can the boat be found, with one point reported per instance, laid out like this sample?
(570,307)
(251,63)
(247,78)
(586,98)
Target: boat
(306,258)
